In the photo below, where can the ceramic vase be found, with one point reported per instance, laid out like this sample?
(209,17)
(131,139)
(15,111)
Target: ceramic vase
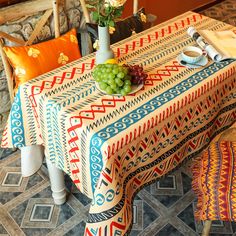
(104,52)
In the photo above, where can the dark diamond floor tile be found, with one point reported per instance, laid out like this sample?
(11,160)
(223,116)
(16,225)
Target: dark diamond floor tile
(225,12)
(169,230)
(33,180)
(8,196)
(77,230)
(18,212)
(149,215)
(187,182)
(5,152)
(41,213)
(66,212)
(13,179)
(2,230)
(167,182)
(82,198)
(68,182)
(166,200)
(187,216)
(46,193)
(137,197)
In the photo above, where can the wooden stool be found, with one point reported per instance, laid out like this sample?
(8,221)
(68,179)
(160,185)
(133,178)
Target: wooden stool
(214,183)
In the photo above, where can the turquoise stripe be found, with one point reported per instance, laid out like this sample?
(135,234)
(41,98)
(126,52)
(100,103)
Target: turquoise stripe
(16,121)
(99,138)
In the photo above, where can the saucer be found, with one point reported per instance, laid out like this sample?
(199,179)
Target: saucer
(198,64)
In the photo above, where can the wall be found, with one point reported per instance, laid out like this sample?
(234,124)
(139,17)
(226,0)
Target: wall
(165,9)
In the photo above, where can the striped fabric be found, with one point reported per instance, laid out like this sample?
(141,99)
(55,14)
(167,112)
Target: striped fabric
(214,182)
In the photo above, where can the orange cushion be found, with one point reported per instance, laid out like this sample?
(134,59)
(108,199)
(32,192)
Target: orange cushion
(31,61)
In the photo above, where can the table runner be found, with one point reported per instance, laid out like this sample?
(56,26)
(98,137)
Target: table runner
(111,146)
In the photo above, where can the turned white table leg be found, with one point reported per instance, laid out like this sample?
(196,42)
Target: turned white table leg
(31,159)
(57,181)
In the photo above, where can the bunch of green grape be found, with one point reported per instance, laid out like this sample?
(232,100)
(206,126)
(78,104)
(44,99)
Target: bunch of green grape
(113,78)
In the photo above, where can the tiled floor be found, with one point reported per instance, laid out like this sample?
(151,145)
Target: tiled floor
(164,208)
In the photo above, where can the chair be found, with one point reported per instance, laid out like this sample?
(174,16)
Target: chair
(49,7)
(124,27)
(214,184)
(40,58)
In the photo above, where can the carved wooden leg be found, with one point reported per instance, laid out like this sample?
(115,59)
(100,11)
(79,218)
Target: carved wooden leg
(31,159)
(206,228)
(57,183)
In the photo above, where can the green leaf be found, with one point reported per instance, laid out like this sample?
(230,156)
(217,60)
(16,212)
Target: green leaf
(95,16)
(104,14)
(108,10)
(111,23)
(118,12)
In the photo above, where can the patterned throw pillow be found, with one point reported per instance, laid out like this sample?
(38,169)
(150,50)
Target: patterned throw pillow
(123,28)
(29,62)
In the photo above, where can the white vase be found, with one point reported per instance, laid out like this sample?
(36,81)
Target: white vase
(104,52)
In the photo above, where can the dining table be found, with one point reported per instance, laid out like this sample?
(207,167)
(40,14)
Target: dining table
(112,146)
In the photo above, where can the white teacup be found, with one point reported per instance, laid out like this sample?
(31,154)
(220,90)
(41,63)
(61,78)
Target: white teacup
(192,54)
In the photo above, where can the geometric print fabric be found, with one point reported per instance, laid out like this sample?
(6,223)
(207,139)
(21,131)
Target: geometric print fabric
(214,182)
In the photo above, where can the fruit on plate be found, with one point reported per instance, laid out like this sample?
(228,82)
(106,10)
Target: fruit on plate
(113,78)
(137,74)
(111,61)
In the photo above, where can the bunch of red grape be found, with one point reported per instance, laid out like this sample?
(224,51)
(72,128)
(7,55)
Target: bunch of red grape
(137,74)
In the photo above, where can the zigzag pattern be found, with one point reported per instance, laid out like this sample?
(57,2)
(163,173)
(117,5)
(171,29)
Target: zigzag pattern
(89,65)
(153,36)
(170,130)
(144,110)
(214,182)
(90,114)
(57,80)
(134,174)
(162,73)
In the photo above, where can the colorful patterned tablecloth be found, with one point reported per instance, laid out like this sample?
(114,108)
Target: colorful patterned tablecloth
(111,146)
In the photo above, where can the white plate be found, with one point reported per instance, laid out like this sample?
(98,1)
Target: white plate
(198,64)
(135,88)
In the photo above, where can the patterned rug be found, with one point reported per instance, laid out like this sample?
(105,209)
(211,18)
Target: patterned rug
(164,208)
(225,11)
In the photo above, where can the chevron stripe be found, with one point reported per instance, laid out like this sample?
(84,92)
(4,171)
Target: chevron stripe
(144,110)
(214,182)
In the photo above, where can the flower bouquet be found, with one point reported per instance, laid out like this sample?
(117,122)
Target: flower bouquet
(104,13)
